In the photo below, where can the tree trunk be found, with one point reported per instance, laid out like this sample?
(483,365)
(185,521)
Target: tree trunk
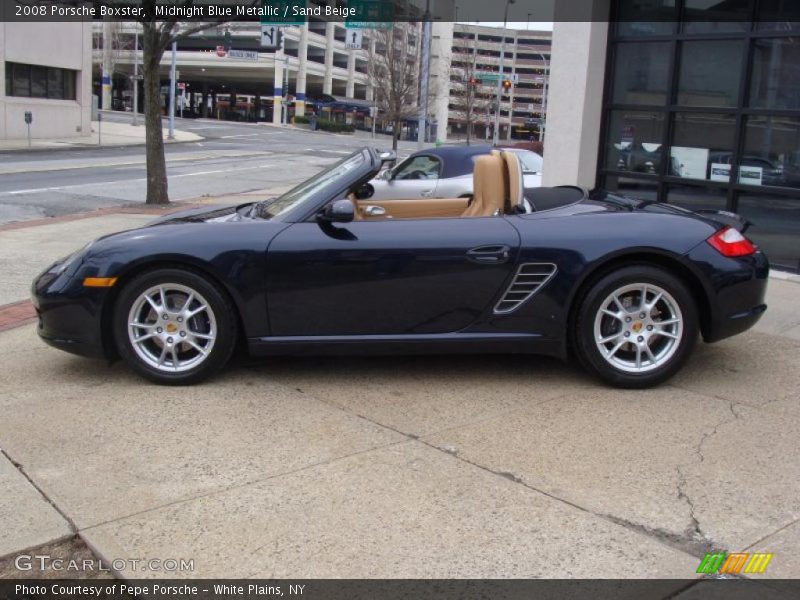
(396,134)
(154,138)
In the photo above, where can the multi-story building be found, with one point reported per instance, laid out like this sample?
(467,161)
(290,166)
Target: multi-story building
(474,60)
(50,79)
(249,81)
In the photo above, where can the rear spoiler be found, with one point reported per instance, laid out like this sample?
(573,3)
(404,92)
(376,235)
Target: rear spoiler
(725,218)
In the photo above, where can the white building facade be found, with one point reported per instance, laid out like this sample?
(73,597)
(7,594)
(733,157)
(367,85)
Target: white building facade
(47,71)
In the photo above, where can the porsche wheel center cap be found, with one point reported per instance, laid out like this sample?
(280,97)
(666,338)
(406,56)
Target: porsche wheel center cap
(637,327)
(171,328)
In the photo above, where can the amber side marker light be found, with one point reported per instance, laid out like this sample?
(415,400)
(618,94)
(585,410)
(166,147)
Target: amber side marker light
(99,281)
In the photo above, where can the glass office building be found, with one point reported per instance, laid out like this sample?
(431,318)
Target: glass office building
(702,109)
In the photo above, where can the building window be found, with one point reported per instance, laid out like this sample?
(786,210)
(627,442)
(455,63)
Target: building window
(702,109)
(634,141)
(640,73)
(710,72)
(33,81)
(702,146)
(775,82)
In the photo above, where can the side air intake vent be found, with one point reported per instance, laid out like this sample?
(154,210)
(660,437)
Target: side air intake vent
(530,278)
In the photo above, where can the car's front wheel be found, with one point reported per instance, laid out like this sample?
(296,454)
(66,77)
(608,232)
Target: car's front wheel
(636,326)
(174,326)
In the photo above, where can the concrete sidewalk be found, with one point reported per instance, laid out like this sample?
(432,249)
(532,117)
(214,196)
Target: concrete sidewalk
(103,134)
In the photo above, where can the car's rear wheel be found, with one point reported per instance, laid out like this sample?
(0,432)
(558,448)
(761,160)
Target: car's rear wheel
(636,326)
(174,327)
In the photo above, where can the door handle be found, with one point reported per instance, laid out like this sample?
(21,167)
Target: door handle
(374,211)
(426,193)
(489,255)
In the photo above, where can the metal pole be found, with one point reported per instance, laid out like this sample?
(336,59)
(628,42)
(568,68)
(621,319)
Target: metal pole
(422,128)
(374,118)
(172,83)
(29,131)
(99,129)
(136,78)
(496,133)
(285,97)
(543,126)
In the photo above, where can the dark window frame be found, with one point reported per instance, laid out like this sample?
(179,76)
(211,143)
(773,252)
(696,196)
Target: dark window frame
(740,112)
(68,79)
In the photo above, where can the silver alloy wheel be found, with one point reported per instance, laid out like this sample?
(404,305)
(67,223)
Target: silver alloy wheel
(172,328)
(638,328)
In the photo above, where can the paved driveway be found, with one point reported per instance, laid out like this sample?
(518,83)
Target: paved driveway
(489,466)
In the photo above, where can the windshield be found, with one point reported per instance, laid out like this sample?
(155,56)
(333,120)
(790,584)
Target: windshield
(531,162)
(272,208)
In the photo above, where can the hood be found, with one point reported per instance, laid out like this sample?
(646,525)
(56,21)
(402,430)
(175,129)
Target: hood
(203,214)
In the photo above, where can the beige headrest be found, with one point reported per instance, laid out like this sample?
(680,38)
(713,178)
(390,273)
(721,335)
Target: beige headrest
(489,187)
(515,181)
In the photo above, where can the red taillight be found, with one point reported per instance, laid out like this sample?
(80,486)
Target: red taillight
(729,242)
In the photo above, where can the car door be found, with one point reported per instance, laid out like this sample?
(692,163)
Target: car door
(416,177)
(387,277)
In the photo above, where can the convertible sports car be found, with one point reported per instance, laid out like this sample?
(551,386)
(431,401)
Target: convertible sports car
(623,285)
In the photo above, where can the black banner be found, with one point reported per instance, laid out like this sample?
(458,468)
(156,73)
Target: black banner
(399,589)
(279,12)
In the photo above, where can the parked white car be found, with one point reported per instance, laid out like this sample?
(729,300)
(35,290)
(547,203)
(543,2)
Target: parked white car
(445,172)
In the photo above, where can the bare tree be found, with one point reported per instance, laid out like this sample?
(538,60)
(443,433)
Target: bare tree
(471,95)
(392,72)
(157,36)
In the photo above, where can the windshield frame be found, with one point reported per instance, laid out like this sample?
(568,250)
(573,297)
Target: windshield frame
(302,209)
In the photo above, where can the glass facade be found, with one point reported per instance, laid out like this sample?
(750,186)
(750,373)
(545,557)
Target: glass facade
(702,109)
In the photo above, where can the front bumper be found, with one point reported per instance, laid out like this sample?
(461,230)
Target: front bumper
(736,290)
(70,316)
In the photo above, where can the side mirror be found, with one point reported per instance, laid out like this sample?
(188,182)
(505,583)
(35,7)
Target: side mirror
(340,211)
(387,175)
(388,156)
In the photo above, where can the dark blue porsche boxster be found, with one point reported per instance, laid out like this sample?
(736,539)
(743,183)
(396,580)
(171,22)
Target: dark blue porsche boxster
(623,285)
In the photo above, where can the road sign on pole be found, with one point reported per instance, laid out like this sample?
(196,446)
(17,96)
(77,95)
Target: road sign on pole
(283,12)
(370,14)
(353,38)
(270,37)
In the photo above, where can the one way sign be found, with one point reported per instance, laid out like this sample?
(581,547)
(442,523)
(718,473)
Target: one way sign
(270,37)
(352,40)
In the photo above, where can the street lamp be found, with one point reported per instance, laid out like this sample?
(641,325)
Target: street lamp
(500,76)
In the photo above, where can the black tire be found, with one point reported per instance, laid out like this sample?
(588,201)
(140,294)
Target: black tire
(591,326)
(220,311)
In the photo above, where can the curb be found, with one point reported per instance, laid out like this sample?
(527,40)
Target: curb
(16,314)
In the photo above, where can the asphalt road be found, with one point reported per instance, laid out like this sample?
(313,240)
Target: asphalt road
(232,158)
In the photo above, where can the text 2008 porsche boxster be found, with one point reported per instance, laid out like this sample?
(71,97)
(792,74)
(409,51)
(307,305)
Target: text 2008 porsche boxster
(625,286)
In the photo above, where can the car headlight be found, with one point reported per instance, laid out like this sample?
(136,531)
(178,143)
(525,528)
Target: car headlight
(65,263)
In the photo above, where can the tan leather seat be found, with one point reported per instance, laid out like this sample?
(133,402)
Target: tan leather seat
(515,181)
(490,188)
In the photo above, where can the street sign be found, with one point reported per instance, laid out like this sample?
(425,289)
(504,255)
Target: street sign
(28,117)
(352,39)
(270,37)
(283,12)
(370,14)
(243,54)
(486,76)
